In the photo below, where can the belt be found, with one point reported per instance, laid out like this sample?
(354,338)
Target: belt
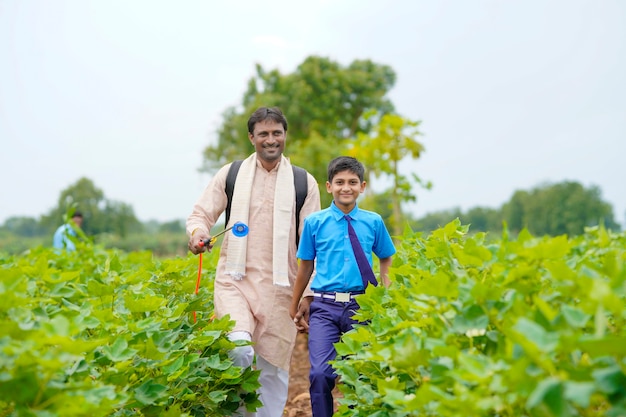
(341,297)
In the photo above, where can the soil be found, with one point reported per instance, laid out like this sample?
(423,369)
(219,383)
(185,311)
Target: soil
(298,400)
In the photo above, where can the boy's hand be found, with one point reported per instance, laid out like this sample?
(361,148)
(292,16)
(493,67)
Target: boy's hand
(301,317)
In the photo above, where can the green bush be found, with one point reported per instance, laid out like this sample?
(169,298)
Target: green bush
(103,333)
(526,327)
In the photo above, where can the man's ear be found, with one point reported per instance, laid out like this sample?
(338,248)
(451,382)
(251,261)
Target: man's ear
(328,189)
(363,186)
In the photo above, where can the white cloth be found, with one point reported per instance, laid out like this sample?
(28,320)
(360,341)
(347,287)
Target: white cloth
(284,196)
(274,381)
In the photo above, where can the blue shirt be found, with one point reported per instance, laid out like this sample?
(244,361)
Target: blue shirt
(61,238)
(325,238)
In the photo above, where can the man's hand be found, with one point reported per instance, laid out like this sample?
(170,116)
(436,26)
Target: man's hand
(301,318)
(196,242)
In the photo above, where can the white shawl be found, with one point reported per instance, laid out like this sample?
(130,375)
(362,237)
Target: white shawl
(284,196)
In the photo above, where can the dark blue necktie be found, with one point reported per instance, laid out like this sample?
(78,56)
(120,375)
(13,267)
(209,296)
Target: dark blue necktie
(364,266)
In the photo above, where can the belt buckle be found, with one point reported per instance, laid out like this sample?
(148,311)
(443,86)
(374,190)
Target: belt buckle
(342,297)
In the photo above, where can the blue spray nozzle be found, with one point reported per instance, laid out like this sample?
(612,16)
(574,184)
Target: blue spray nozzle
(240,229)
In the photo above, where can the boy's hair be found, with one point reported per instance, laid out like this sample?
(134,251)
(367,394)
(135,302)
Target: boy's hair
(345,163)
(266,113)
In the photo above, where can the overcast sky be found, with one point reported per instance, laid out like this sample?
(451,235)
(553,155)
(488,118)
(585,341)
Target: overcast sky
(511,94)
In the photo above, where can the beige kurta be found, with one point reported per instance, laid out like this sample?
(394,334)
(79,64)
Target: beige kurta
(255,303)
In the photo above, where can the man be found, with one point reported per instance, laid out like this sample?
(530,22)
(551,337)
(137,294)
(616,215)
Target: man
(61,238)
(255,274)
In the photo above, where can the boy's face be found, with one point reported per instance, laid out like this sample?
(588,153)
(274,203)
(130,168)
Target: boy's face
(345,188)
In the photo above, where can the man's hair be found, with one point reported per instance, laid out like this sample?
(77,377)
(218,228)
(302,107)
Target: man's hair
(266,113)
(345,163)
(77,214)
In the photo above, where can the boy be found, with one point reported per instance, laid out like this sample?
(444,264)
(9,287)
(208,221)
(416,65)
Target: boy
(339,275)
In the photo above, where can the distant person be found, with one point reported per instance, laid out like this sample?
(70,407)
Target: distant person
(343,269)
(61,239)
(255,273)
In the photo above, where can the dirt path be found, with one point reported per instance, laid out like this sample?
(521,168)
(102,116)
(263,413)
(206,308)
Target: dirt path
(298,402)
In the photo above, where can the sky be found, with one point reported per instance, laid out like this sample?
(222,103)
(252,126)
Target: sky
(511,95)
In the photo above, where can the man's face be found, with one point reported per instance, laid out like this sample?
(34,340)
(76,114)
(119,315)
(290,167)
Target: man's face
(268,139)
(78,221)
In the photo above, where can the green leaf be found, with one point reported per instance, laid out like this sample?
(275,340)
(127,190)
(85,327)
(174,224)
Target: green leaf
(99,289)
(579,392)
(603,346)
(150,392)
(575,317)
(549,396)
(174,365)
(610,380)
(119,350)
(58,326)
(144,303)
(533,332)
(471,318)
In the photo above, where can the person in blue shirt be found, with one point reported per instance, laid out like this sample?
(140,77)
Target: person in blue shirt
(61,238)
(325,246)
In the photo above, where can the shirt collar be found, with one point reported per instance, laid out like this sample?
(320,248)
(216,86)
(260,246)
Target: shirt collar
(338,214)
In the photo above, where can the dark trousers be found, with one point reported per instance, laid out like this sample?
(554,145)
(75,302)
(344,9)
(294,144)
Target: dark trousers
(328,320)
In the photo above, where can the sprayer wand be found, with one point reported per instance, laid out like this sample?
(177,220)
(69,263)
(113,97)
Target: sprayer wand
(239,230)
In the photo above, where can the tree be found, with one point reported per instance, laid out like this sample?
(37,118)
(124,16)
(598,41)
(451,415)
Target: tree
(483,219)
(435,220)
(174,226)
(514,212)
(390,141)
(24,226)
(119,218)
(566,208)
(85,197)
(100,215)
(324,103)
(549,209)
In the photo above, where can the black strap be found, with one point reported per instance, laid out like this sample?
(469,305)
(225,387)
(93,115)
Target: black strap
(230,186)
(301,186)
(299,182)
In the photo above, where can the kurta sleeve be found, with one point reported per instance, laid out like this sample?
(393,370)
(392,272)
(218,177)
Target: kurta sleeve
(210,205)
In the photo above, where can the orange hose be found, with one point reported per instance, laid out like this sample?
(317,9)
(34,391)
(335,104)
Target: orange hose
(198,281)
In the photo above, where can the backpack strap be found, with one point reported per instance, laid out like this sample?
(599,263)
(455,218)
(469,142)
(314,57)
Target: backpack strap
(230,186)
(299,182)
(301,186)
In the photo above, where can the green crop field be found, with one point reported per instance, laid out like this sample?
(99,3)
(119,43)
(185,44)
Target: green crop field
(523,326)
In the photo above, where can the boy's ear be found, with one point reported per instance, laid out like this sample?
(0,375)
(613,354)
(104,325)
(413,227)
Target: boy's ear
(328,190)
(363,186)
